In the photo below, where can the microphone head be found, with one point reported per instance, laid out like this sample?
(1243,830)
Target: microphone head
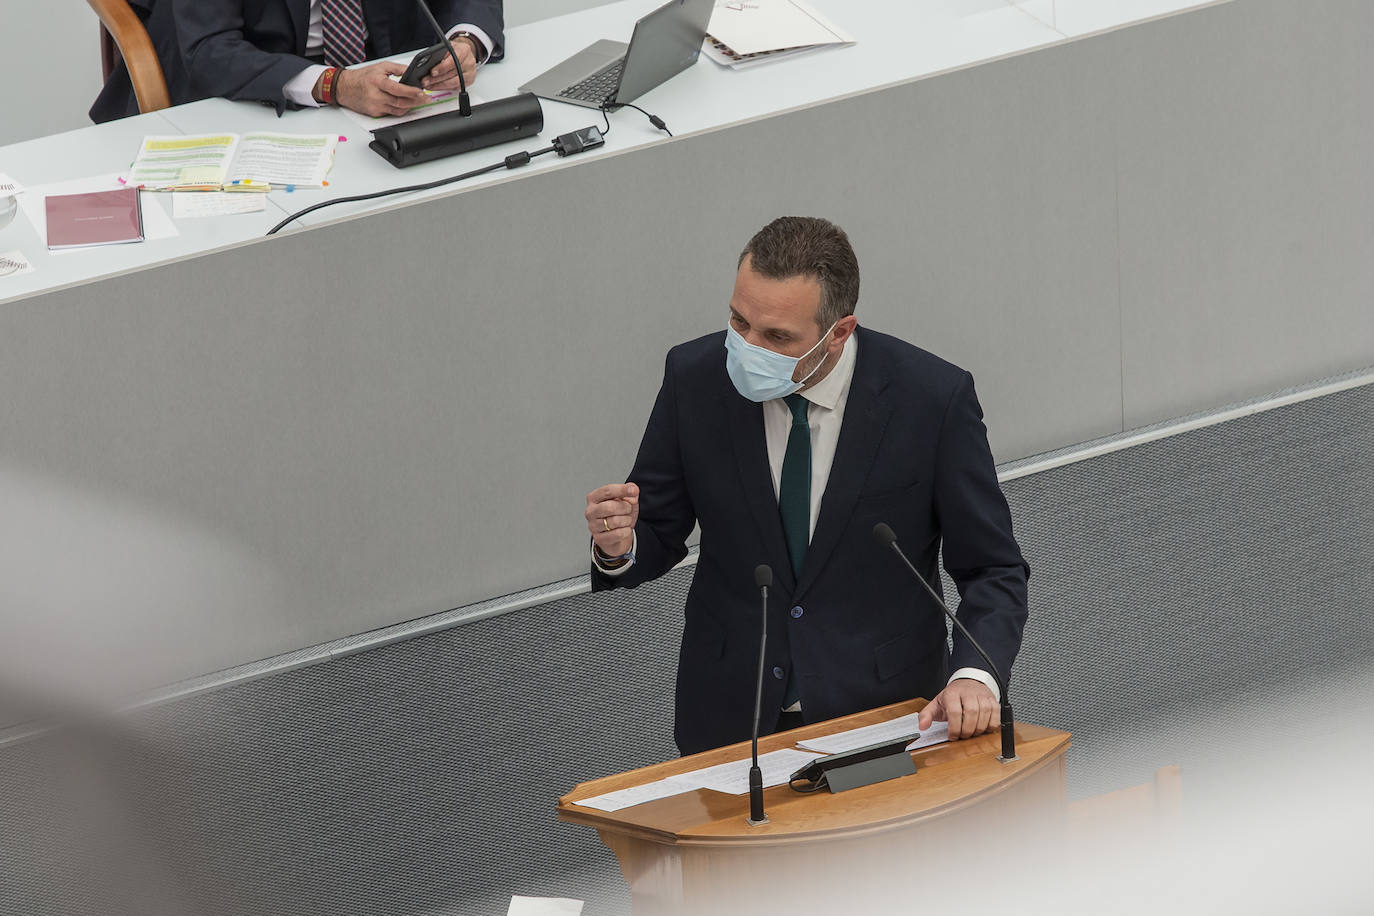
(763,576)
(884,535)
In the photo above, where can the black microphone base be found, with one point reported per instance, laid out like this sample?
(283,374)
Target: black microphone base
(448,134)
(756,816)
(1008,736)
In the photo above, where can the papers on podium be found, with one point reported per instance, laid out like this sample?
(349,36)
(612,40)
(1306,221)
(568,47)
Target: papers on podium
(731,778)
(890,730)
(635,795)
(744,33)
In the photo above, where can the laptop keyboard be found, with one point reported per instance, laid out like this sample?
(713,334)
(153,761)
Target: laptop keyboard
(599,87)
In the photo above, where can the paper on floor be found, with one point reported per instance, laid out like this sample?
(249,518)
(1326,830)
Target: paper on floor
(544,906)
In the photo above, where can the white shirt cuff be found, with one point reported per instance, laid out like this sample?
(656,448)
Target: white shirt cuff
(619,570)
(477,33)
(301,87)
(979,675)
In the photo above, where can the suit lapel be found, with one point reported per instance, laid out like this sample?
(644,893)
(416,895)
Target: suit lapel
(866,414)
(377,16)
(756,480)
(299,10)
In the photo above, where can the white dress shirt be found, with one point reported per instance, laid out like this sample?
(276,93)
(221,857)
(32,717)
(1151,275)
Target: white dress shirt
(301,87)
(825,415)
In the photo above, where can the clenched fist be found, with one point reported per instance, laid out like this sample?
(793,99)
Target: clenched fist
(612,511)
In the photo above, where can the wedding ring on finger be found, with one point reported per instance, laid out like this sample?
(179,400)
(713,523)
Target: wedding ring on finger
(605,524)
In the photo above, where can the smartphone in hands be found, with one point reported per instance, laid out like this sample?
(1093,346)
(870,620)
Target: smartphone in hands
(421,64)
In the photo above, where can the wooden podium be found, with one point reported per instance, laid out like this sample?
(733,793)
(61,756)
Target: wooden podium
(694,852)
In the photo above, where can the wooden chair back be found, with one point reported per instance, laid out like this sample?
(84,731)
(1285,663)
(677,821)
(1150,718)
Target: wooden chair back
(119,20)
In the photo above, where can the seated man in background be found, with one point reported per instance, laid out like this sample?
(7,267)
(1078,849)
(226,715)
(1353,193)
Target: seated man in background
(291,53)
(116,98)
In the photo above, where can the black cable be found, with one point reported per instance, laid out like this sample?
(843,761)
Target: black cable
(464,101)
(515,160)
(607,118)
(653,118)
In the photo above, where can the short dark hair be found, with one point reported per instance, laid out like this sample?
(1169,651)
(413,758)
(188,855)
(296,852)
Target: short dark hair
(808,246)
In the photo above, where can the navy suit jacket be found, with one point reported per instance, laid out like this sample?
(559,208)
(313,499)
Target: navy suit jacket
(250,49)
(912,452)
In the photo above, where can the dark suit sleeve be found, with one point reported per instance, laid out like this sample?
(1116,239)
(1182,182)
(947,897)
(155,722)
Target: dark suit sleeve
(666,516)
(980,552)
(222,63)
(487,15)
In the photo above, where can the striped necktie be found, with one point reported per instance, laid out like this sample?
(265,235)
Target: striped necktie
(345,32)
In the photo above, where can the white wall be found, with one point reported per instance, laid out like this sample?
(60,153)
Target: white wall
(41,97)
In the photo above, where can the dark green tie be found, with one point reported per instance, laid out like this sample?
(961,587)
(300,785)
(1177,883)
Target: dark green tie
(794,501)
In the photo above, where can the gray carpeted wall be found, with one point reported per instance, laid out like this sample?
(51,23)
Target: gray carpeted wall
(421,776)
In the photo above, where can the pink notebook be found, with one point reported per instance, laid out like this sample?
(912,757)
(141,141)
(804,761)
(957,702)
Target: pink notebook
(97,218)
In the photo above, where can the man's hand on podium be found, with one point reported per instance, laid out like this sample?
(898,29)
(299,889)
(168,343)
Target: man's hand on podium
(967,705)
(612,511)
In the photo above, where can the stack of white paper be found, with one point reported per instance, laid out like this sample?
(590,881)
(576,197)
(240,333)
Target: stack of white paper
(744,33)
(731,778)
(635,795)
(890,730)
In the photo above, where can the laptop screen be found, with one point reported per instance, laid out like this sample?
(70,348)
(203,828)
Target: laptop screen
(665,42)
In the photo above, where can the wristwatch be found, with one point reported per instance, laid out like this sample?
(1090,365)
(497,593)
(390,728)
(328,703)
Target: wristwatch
(609,562)
(479,50)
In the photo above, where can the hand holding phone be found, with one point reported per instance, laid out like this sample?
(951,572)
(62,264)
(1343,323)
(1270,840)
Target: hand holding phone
(423,62)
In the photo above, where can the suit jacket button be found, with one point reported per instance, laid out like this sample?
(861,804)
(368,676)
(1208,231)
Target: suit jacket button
(778,672)
(796,612)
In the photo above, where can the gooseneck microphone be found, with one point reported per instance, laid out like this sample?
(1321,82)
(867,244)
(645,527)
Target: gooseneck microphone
(512,118)
(763,578)
(464,103)
(886,537)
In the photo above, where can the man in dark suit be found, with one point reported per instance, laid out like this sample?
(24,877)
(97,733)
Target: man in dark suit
(787,438)
(293,53)
(116,98)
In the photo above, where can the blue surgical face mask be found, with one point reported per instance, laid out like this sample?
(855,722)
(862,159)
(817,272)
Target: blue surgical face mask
(760,374)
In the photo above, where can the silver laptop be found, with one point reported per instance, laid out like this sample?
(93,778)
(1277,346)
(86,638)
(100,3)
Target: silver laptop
(664,43)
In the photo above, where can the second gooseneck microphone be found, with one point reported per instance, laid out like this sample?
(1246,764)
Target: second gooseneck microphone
(886,537)
(464,103)
(763,578)
(512,118)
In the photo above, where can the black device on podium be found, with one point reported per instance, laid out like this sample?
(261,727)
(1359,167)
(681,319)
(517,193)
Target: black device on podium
(448,134)
(470,127)
(861,766)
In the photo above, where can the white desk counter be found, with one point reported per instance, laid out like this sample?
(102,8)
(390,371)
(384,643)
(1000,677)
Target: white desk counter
(897,42)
